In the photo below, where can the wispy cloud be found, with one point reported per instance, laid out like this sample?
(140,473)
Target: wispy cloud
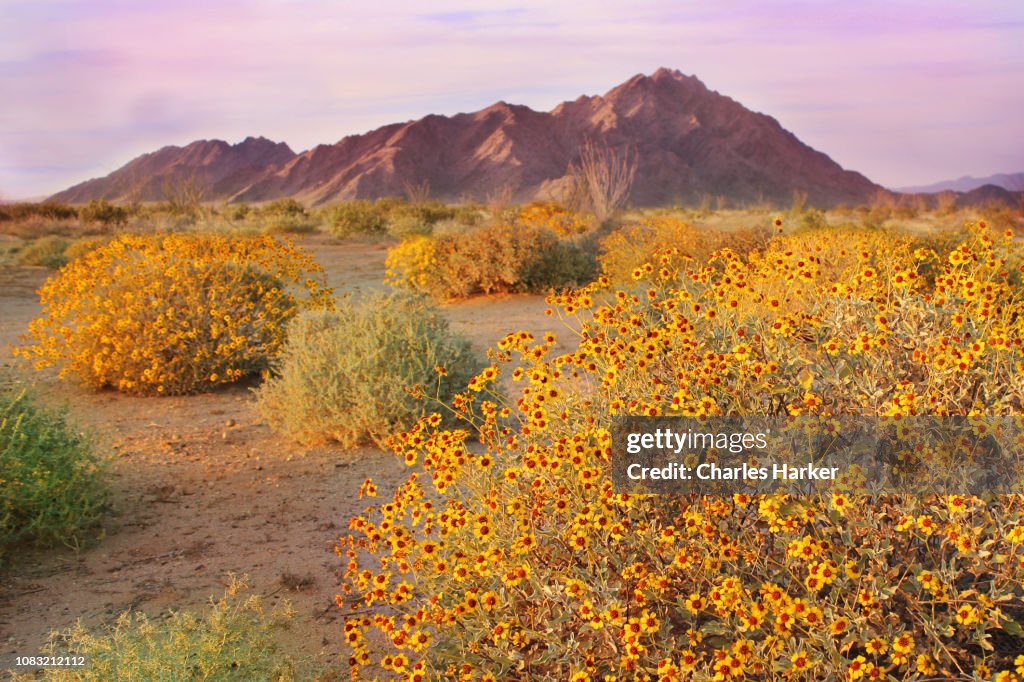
(906,91)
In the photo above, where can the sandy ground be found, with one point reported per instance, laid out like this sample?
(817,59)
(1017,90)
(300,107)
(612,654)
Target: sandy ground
(202,488)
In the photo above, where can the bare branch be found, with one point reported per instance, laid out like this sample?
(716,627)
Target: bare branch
(601,180)
(417,193)
(184,193)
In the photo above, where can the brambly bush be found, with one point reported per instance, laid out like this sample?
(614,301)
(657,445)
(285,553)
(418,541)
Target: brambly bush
(234,640)
(51,479)
(364,372)
(491,259)
(520,561)
(172,314)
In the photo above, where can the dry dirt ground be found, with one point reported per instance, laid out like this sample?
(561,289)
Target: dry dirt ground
(202,488)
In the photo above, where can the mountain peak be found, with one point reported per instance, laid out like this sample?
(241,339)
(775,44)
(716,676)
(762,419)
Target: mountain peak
(663,81)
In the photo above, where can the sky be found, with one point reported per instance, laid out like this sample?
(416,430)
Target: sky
(907,92)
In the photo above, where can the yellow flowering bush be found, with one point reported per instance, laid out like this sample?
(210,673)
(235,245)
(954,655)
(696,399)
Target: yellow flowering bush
(172,314)
(636,244)
(555,217)
(491,259)
(518,559)
(412,264)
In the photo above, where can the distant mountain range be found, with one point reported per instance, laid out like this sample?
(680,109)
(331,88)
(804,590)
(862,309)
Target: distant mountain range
(1013,182)
(691,142)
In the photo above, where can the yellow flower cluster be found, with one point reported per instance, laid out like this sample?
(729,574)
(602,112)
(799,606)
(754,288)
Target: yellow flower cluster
(552,216)
(172,314)
(411,263)
(670,243)
(519,560)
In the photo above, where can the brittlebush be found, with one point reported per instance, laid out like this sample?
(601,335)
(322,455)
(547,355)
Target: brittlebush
(519,560)
(668,239)
(172,314)
(551,216)
(491,259)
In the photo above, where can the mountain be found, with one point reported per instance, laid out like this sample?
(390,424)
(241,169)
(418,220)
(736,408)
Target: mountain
(690,141)
(214,168)
(1013,182)
(988,195)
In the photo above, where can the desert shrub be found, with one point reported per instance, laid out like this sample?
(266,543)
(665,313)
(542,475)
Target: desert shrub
(562,263)
(452,226)
(407,226)
(234,640)
(905,212)
(345,376)
(487,260)
(397,217)
(172,314)
(103,212)
(52,489)
(813,219)
(521,561)
(359,217)
(426,212)
(48,251)
(238,211)
(47,210)
(284,216)
(469,214)
(669,243)
(283,207)
(289,224)
(491,259)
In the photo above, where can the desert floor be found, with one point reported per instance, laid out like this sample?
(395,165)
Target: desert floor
(202,488)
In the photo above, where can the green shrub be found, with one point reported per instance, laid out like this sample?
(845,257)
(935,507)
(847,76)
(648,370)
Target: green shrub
(234,641)
(51,488)
(283,207)
(285,216)
(396,217)
(358,217)
(563,263)
(46,251)
(288,224)
(343,376)
(238,212)
(427,212)
(408,226)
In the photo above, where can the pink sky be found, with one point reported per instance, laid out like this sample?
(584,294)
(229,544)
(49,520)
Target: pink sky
(906,92)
